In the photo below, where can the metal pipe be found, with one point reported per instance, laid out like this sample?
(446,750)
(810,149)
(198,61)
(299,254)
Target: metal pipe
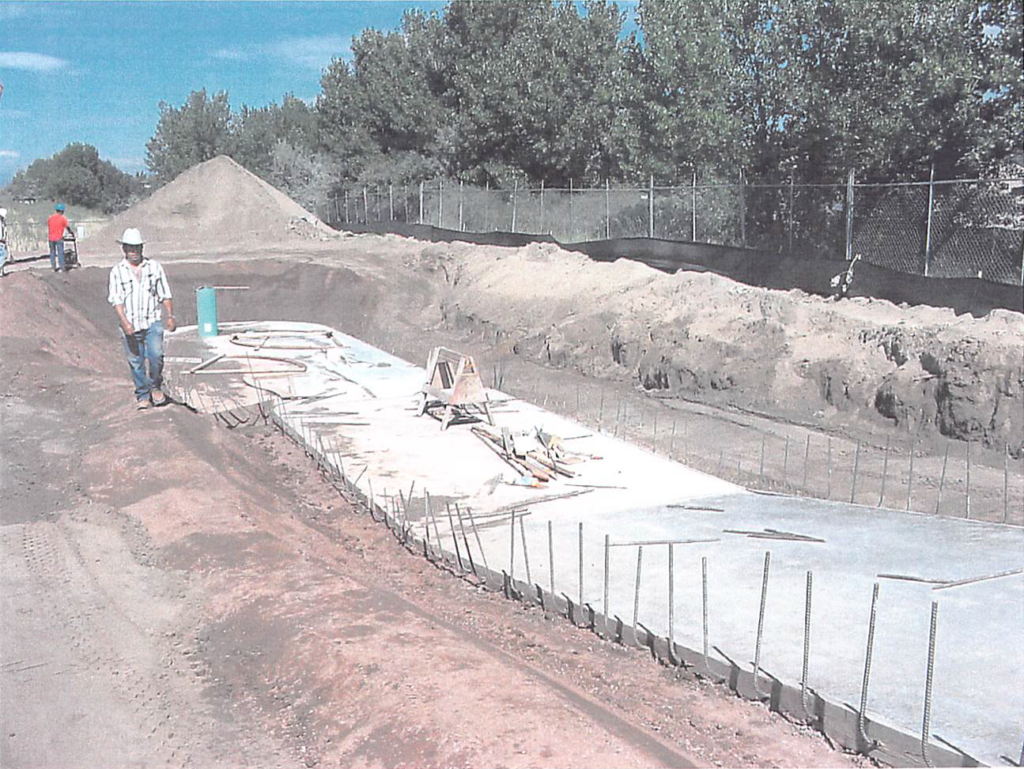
(869,744)
(760,627)
(785,461)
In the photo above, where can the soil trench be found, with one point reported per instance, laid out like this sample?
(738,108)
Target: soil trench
(178,593)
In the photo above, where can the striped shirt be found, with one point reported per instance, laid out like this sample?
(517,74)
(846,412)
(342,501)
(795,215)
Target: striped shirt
(140,296)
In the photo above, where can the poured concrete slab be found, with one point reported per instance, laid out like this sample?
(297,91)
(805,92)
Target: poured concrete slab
(364,402)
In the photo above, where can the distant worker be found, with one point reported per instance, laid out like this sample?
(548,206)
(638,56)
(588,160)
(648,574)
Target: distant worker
(3,242)
(137,289)
(57,225)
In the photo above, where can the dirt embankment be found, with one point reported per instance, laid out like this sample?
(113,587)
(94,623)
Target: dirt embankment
(706,338)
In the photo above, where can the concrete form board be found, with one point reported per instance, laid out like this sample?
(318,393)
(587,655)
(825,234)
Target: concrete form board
(979,683)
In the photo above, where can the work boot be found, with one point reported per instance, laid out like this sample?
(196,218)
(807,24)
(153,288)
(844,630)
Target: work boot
(143,404)
(159,399)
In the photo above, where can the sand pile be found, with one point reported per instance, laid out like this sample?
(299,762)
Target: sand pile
(216,206)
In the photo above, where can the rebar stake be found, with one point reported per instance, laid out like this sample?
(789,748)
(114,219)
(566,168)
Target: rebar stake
(856,467)
(476,535)
(512,548)
(581,566)
(807,457)
(942,478)
(885,472)
(869,744)
(910,479)
(760,627)
(636,593)
(551,559)
(828,468)
(929,678)
(607,560)
(526,554)
(807,647)
(671,604)
(967,502)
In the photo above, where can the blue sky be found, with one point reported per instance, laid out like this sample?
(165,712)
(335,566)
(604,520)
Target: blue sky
(96,72)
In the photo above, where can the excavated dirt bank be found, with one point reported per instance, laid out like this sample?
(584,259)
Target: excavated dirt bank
(705,338)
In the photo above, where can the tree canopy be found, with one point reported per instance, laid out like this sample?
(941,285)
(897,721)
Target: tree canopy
(552,90)
(77,175)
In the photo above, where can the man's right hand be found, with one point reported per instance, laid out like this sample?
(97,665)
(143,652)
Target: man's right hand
(128,329)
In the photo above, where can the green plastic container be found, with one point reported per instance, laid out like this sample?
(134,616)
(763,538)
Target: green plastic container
(206,308)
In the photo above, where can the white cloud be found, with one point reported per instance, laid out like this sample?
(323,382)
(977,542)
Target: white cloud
(36,62)
(9,154)
(314,51)
(232,54)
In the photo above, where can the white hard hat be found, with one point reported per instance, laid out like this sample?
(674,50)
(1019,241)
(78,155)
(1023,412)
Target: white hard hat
(3,213)
(131,237)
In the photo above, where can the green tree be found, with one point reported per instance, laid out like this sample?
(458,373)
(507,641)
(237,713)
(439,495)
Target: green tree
(77,175)
(198,130)
(531,86)
(257,130)
(680,92)
(896,85)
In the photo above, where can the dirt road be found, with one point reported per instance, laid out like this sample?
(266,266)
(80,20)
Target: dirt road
(178,594)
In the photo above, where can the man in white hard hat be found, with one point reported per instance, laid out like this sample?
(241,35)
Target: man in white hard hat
(4,253)
(138,289)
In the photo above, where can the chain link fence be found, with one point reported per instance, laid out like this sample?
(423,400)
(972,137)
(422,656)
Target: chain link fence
(949,229)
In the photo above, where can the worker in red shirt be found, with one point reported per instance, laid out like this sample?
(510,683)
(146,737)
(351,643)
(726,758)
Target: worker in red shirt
(57,225)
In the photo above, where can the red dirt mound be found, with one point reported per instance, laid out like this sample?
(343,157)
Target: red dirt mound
(215,206)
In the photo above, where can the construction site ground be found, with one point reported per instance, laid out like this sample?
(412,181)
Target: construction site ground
(178,593)
(175,593)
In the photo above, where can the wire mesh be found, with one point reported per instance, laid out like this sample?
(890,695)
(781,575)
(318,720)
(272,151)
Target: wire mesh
(976,227)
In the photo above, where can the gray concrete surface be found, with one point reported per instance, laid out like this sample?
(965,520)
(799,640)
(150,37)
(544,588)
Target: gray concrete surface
(363,402)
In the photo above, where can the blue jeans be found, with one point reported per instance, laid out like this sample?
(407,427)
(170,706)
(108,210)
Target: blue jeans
(140,347)
(57,254)
(3,257)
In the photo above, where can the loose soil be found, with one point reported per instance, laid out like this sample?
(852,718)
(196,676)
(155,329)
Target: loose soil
(181,594)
